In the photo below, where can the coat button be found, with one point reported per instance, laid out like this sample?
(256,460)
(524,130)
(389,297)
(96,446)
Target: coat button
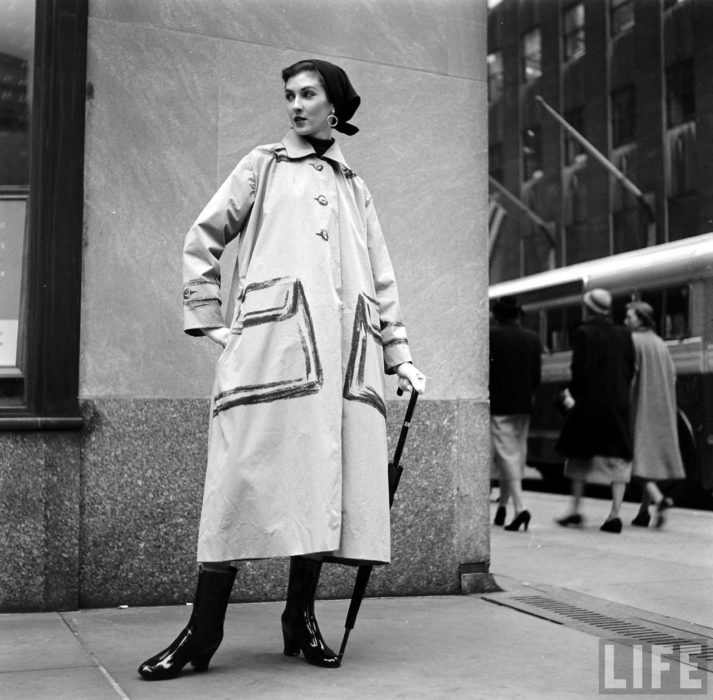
(317,166)
(322,234)
(322,200)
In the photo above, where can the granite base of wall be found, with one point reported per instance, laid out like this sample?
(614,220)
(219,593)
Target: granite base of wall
(39,520)
(109,516)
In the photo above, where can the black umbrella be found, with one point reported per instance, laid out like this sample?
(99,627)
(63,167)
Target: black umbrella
(364,571)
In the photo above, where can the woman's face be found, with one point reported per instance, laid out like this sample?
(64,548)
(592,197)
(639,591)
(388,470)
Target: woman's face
(307,105)
(632,321)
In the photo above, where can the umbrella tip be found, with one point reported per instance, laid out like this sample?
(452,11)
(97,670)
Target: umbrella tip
(344,645)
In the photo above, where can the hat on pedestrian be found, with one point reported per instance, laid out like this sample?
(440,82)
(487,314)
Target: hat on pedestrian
(644,312)
(506,308)
(598,301)
(343,96)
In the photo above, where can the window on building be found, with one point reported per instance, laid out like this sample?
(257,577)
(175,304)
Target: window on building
(532,152)
(41,172)
(623,115)
(496,76)
(16,55)
(680,94)
(573,31)
(572,147)
(683,214)
(621,16)
(495,161)
(531,56)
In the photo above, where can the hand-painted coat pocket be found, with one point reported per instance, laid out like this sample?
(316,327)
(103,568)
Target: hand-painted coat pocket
(275,354)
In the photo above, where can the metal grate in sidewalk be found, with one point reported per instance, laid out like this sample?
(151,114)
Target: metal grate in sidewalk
(626,629)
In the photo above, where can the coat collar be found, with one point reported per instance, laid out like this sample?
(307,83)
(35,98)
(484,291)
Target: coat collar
(296,147)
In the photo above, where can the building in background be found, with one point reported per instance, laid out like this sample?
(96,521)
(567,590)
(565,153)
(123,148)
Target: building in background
(633,78)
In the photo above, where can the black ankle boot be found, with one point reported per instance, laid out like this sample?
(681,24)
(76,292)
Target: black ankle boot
(299,625)
(201,637)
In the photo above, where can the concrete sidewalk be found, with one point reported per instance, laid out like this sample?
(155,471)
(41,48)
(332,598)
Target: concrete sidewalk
(435,647)
(441,647)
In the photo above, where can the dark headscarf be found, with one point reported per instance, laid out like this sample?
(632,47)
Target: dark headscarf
(341,93)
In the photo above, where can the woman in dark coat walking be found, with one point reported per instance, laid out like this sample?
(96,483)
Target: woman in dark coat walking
(596,437)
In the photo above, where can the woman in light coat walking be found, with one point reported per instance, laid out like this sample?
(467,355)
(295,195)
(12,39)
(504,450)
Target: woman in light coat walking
(656,454)
(297,462)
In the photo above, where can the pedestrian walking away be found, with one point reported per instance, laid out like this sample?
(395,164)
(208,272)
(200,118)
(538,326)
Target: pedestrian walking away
(596,435)
(515,373)
(656,454)
(297,454)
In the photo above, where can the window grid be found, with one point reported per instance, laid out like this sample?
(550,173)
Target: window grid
(680,94)
(531,152)
(621,16)
(532,55)
(496,76)
(623,109)
(573,31)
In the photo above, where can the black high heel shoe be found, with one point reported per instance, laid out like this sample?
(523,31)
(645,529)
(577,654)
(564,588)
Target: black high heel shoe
(642,519)
(201,637)
(500,514)
(300,630)
(522,518)
(613,525)
(575,520)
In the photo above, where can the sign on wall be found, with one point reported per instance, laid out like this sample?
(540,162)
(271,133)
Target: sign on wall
(12,234)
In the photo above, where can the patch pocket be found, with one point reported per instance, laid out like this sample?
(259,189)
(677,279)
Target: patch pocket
(364,379)
(273,355)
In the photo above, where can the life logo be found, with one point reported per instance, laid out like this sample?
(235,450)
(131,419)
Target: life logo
(652,669)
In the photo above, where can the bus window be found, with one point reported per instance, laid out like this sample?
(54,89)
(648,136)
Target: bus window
(560,324)
(671,311)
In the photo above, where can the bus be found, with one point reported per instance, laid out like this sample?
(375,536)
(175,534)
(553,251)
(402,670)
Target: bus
(677,280)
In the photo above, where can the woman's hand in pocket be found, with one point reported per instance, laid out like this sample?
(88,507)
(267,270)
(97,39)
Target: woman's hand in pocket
(218,335)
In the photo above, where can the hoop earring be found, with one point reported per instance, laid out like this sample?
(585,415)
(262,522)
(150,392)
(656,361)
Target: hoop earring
(332,120)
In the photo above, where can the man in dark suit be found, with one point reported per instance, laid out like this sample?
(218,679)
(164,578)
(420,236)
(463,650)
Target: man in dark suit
(515,368)
(596,437)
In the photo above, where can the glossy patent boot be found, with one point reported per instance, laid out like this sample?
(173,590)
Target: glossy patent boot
(203,634)
(300,630)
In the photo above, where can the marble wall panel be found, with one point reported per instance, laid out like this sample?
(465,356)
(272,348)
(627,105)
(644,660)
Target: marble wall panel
(420,34)
(151,143)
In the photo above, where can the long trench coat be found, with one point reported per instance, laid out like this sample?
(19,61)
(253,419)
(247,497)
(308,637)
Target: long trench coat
(599,424)
(297,459)
(656,453)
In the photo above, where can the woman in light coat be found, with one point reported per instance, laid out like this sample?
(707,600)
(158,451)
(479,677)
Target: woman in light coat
(297,462)
(656,454)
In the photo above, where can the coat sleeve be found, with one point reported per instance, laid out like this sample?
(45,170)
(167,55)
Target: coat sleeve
(536,363)
(222,219)
(580,364)
(393,331)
